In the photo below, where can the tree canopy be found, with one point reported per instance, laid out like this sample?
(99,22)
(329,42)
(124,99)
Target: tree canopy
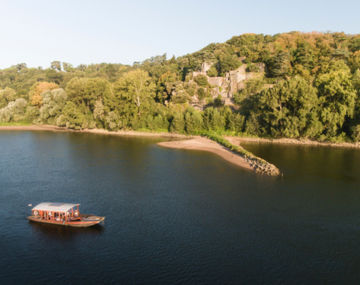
(301,85)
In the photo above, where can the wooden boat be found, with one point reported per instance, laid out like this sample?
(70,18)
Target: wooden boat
(63,214)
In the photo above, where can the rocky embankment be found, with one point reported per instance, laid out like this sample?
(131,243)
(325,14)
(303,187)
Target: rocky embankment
(262,166)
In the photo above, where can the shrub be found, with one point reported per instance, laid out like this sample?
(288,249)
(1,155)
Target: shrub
(201,80)
(212,72)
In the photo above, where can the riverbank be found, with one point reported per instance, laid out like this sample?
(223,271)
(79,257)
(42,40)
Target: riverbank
(232,139)
(91,131)
(286,141)
(249,162)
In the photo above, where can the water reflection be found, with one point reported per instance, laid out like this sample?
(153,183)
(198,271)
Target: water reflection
(65,233)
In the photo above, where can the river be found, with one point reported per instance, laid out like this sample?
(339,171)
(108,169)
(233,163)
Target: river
(177,216)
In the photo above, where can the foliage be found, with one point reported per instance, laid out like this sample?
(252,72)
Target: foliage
(311,88)
(212,72)
(336,97)
(36,91)
(278,65)
(283,111)
(201,80)
(14,111)
(53,103)
(7,95)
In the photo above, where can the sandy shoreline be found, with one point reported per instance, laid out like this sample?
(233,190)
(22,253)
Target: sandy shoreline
(233,140)
(204,144)
(91,131)
(285,141)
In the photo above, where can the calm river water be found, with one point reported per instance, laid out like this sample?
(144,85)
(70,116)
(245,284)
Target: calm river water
(175,216)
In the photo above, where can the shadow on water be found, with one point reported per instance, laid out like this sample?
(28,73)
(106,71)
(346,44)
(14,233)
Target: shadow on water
(65,233)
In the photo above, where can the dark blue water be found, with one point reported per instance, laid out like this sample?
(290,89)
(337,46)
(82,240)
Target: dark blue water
(174,216)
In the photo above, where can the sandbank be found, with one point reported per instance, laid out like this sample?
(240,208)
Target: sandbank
(286,141)
(204,144)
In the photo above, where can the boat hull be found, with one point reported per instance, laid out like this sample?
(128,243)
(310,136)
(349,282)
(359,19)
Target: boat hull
(83,222)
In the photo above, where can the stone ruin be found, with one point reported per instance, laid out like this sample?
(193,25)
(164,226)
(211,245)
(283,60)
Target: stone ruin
(231,83)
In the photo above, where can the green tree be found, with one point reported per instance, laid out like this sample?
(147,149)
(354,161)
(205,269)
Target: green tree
(53,104)
(283,110)
(14,111)
(226,62)
(337,99)
(193,121)
(213,120)
(73,117)
(278,65)
(177,124)
(133,98)
(166,86)
(56,65)
(87,91)
(7,95)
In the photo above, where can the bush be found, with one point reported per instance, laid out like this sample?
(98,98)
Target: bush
(201,93)
(212,72)
(252,68)
(201,80)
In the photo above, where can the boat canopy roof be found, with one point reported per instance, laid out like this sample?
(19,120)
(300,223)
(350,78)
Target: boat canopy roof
(54,207)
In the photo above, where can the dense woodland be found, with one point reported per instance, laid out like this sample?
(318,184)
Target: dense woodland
(310,88)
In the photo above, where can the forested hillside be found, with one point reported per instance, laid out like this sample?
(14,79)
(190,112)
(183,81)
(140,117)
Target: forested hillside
(288,85)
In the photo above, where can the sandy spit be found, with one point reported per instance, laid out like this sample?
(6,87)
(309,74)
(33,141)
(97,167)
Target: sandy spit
(204,144)
(239,140)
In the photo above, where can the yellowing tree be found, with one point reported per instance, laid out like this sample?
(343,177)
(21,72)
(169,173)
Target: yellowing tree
(37,89)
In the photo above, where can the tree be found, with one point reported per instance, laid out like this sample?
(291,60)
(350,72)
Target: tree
(135,86)
(226,62)
(166,86)
(193,121)
(53,104)
(87,91)
(54,76)
(14,111)
(67,67)
(73,117)
(133,98)
(56,65)
(177,124)
(336,97)
(304,55)
(37,89)
(283,111)
(213,120)
(7,95)
(278,65)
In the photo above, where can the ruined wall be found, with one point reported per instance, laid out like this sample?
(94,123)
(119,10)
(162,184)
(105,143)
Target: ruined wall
(231,83)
